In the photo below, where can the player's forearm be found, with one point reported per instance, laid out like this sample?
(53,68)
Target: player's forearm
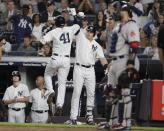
(103,61)
(23,100)
(10,101)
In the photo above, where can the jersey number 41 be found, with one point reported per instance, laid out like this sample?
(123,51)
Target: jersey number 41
(65,38)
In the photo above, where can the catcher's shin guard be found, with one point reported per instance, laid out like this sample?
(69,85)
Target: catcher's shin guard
(127,107)
(114,112)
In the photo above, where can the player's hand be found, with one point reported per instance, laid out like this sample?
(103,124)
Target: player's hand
(106,68)
(81,14)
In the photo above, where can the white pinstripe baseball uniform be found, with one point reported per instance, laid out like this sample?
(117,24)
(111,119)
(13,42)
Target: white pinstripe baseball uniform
(16,110)
(60,60)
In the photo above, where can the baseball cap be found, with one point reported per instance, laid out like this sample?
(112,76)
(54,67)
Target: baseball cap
(91,29)
(15,73)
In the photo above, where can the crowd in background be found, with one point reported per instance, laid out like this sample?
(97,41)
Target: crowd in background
(36,17)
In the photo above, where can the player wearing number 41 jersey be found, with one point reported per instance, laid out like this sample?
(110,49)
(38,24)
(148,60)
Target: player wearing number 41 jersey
(60,60)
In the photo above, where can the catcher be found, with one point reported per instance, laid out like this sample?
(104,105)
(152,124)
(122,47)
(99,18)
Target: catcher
(120,95)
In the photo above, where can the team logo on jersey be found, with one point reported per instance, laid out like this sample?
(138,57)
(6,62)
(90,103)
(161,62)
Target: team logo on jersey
(132,34)
(94,48)
(20,93)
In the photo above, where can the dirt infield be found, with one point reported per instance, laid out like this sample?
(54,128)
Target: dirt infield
(10,128)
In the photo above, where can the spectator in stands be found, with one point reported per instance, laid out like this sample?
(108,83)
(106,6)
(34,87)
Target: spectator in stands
(161,45)
(100,25)
(11,10)
(46,51)
(6,46)
(2,6)
(111,10)
(34,5)
(160,20)
(63,5)
(152,50)
(103,6)
(37,27)
(143,38)
(26,46)
(2,16)
(42,6)
(51,12)
(154,12)
(139,6)
(75,4)
(87,7)
(105,36)
(30,13)
(66,15)
(22,25)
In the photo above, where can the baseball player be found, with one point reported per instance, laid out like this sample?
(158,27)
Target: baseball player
(39,109)
(87,51)
(60,60)
(16,96)
(124,41)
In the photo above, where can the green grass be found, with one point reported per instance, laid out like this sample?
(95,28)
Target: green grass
(45,125)
(71,126)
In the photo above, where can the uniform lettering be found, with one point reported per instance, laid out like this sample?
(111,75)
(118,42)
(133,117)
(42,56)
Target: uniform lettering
(65,38)
(22,23)
(94,48)
(20,93)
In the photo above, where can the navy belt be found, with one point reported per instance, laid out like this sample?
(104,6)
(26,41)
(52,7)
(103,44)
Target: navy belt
(40,111)
(17,109)
(118,57)
(60,55)
(86,66)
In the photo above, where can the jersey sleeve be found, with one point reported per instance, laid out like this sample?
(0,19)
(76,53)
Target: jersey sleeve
(75,29)
(26,91)
(31,95)
(133,34)
(99,53)
(47,38)
(6,95)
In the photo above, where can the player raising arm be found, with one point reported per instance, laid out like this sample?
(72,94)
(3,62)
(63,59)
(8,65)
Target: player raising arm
(62,38)
(87,51)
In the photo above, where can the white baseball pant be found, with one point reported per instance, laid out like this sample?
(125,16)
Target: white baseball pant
(39,117)
(16,116)
(86,76)
(61,66)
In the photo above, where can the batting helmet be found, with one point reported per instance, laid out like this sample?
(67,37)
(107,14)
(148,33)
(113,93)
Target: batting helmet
(16,73)
(60,21)
(127,9)
(91,29)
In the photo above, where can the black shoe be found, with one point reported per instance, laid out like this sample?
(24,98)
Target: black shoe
(71,122)
(58,111)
